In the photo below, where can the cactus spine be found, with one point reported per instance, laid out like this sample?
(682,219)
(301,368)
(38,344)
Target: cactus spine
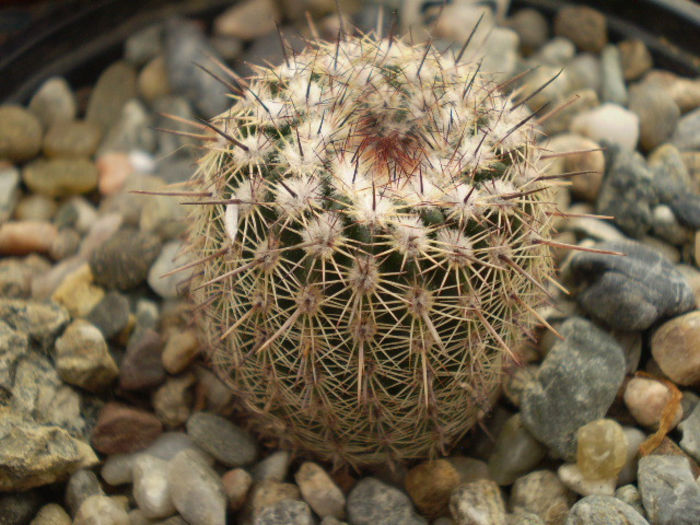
(370,231)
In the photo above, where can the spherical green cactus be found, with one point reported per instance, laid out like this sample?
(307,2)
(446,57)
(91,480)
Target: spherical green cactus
(370,229)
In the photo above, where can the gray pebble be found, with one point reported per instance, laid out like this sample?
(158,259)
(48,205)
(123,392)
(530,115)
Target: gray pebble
(285,512)
(196,490)
(81,485)
(542,493)
(478,503)
(142,366)
(228,443)
(690,427)
(186,46)
(658,114)
(115,86)
(577,382)
(170,143)
(274,467)
(18,508)
(9,191)
(143,45)
(372,502)
(170,258)
(133,130)
(612,87)
(669,492)
(687,134)
(515,453)
(630,292)
(630,495)
(123,261)
(584,72)
(559,51)
(635,438)
(603,510)
(20,134)
(54,101)
(111,314)
(151,490)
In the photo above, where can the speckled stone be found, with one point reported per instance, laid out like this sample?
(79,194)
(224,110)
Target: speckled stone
(320,491)
(603,510)
(228,443)
(430,484)
(542,493)
(669,492)
(101,510)
(285,512)
(478,503)
(121,428)
(371,502)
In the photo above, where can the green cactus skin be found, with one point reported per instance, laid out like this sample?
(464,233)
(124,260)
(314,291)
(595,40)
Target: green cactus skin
(370,234)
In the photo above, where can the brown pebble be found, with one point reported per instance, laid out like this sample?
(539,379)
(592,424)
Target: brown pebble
(585,27)
(181,349)
(172,401)
(676,348)
(121,428)
(142,367)
(23,237)
(635,57)
(430,484)
(113,170)
(237,483)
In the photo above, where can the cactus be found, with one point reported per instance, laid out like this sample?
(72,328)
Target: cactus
(370,229)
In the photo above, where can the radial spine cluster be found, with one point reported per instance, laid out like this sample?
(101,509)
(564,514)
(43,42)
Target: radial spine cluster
(370,228)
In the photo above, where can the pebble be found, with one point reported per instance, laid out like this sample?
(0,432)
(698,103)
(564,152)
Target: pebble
(612,87)
(266,493)
(556,86)
(110,315)
(51,514)
(172,400)
(196,490)
(81,485)
(646,400)
(229,444)
(320,491)
(608,122)
(185,47)
(114,168)
(585,27)
(180,351)
(77,293)
(16,275)
(584,73)
(143,45)
(603,510)
(60,177)
(9,191)
(571,476)
(133,130)
(630,495)
(142,366)
(658,114)
(23,237)
(40,320)
(123,261)
(542,493)
(687,134)
(170,258)
(592,161)
(514,383)
(515,452)
(121,428)
(664,225)
(690,427)
(72,139)
(76,212)
(101,510)
(601,449)
(151,492)
(153,80)
(20,134)
(531,27)
(237,483)
(669,492)
(165,217)
(520,518)
(248,20)
(115,86)
(634,291)
(478,503)
(580,100)
(577,383)
(558,51)
(35,454)
(66,244)
(53,102)
(429,484)
(676,348)
(170,143)
(371,502)
(501,52)
(35,207)
(82,358)
(285,512)
(635,58)
(273,467)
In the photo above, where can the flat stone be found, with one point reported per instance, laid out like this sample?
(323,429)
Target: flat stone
(571,476)
(20,134)
(248,20)
(24,237)
(33,455)
(196,490)
(121,428)
(577,382)
(478,503)
(273,467)
(151,491)
(515,453)
(60,177)
(115,86)
(635,58)
(658,114)
(669,492)
(320,491)
(371,502)
(676,348)
(630,292)
(153,80)
(285,512)
(123,261)
(110,315)
(603,510)
(687,134)
(585,27)
(53,102)
(142,366)
(133,130)
(101,510)
(228,443)
(72,139)
(608,122)
(81,485)
(612,87)
(542,493)
(430,484)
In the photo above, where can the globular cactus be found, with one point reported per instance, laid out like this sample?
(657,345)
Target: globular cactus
(370,229)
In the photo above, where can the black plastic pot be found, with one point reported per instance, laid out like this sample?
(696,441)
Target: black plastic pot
(77,38)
